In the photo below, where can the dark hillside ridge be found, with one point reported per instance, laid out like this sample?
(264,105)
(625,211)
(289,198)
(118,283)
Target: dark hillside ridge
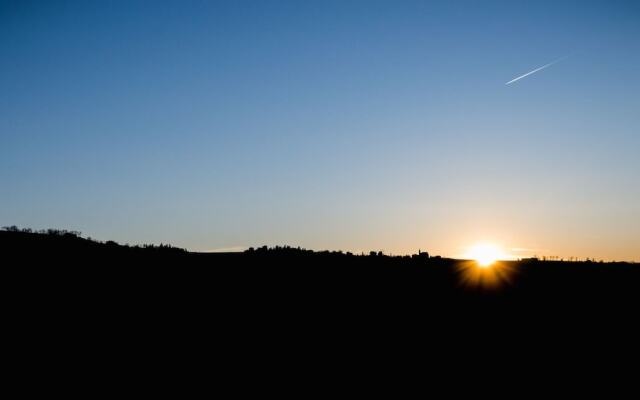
(61,282)
(289,269)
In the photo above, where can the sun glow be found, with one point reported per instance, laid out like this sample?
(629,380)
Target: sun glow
(486,266)
(485,254)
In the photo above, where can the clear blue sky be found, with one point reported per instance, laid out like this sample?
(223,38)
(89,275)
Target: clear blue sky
(354,125)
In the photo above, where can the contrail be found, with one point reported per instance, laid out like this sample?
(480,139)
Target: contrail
(536,70)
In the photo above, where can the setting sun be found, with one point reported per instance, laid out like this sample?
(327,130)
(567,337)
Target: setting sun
(485,267)
(485,254)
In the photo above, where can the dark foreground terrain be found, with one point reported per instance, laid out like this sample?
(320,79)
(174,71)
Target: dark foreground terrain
(292,277)
(69,299)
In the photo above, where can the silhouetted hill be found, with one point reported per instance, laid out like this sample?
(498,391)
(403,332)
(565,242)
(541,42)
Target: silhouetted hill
(157,303)
(62,243)
(268,272)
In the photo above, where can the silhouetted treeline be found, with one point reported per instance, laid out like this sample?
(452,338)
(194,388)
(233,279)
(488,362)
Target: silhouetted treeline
(50,232)
(56,241)
(288,250)
(295,277)
(67,289)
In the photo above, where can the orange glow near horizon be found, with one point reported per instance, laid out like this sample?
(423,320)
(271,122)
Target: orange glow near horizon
(493,276)
(485,254)
(487,267)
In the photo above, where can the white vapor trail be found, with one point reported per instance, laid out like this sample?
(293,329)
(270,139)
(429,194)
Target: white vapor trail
(535,70)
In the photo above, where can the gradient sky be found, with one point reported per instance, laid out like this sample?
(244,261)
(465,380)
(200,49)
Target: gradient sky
(354,125)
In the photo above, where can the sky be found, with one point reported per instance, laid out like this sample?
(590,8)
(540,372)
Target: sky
(352,125)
